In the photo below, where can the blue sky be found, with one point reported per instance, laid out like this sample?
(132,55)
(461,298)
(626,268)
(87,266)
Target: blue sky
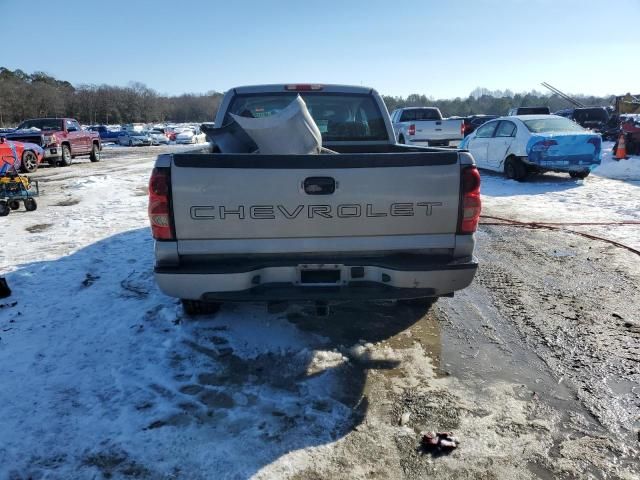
(439,48)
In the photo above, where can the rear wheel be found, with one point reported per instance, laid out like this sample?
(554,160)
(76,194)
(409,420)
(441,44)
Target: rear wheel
(29,162)
(95,153)
(580,175)
(426,302)
(514,169)
(14,204)
(4,208)
(197,307)
(65,160)
(30,204)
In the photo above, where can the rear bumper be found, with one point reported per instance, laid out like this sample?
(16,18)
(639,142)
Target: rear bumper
(439,142)
(383,278)
(565,163)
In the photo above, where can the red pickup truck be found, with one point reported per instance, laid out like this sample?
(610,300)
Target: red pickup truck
(61,138)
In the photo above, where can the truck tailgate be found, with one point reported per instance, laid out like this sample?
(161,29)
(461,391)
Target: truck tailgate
(438,129)
(303,203)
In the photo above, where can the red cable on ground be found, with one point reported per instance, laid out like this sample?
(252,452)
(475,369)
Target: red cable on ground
(623,222)
(556,226)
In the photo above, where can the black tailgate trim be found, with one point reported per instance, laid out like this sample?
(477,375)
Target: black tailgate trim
(315,162)
(405,263)
(351,291)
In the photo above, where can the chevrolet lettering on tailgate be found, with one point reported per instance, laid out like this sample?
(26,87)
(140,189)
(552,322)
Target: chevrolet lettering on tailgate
(348,210)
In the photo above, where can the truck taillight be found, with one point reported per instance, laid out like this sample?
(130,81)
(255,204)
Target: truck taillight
(159,204)
(470,204)
(412,129)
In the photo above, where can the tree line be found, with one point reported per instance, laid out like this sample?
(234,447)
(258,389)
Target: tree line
(33,95)
(483,101)
(24,95)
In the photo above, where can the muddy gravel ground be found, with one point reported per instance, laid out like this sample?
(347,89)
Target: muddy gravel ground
(535,368)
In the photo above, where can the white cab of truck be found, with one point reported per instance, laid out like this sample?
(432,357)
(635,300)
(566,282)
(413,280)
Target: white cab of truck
(425,126)
(373,220)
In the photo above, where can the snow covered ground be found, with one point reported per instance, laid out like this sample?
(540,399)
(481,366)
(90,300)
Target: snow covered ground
(610,194)
(96,361)
(101,374)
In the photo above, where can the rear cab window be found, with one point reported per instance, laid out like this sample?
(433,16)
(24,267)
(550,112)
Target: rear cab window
(533,111)
(339,116)
(427,114)
(408,116)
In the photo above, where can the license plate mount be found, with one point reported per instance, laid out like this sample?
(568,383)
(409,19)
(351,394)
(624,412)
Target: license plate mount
(320,275)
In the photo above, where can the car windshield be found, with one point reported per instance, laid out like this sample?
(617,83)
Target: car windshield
(339,116)
(42,124)
(551,124)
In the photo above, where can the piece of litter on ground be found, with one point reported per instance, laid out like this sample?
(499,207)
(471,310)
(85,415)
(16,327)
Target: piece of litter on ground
(440,442)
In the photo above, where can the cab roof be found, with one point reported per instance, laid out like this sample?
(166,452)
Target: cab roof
(282,87)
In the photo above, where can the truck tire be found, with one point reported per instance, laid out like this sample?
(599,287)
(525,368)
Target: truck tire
(194,308)
(14,204)
(29,162)
(30,204)
(94,156)
(4,208)
(419,302)
(514,169)
(66,159)
(579,175)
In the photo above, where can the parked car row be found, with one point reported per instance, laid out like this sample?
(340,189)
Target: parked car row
(61,140)
(136,134)
(527,140)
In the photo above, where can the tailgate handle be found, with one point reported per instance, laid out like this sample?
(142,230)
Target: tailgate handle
(319,185)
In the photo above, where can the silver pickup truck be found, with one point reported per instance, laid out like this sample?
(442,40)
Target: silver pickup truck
(377,220)
(425,126)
